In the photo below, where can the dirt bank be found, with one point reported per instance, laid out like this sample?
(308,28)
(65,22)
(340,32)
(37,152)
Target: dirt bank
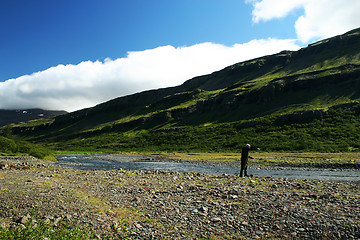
(153,204)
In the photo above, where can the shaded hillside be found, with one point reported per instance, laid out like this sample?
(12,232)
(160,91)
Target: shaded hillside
(221,109)
(17,116)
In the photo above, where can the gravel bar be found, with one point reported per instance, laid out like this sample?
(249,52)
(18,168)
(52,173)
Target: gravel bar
(176,205)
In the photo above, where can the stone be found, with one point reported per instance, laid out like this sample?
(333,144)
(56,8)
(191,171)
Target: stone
(203,209)
(276,227)
(216,219)
(24,219)
(68,217)
(57,221)
(2,224)
(4,166)
(46,220)
(137,225)
(233,192)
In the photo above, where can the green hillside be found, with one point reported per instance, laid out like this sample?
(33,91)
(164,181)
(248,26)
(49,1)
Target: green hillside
(306,100)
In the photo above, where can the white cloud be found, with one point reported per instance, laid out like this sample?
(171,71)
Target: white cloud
(321,18)
(268,9)
(72,87)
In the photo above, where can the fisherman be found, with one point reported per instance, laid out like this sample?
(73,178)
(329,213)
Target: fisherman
(244,158)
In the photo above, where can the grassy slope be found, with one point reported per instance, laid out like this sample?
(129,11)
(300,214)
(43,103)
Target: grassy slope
(257,101)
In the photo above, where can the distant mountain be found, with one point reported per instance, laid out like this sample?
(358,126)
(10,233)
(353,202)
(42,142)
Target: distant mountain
(17,116)
(262,100)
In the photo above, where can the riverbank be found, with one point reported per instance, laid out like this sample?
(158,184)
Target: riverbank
(177,205)
(304,160)
(159,162)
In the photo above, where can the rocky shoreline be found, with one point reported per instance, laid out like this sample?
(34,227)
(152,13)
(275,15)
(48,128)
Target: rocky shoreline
(173,205)
(276,165)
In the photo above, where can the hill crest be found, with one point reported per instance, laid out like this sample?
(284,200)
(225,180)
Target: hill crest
(315,79)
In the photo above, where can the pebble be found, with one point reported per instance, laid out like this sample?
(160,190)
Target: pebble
(23,220)
(162,204)
(216,219)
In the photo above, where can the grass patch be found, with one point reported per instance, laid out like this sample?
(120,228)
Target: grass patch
(47,231)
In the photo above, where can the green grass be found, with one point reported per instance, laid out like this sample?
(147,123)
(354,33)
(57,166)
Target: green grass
(10,145)
(222,111)
(63,231)
(46,231)
(334,132)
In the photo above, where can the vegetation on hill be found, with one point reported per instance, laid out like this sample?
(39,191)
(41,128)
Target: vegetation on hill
(10,145)
(308,100)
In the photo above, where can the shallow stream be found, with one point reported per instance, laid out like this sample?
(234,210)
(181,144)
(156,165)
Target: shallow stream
(126,162)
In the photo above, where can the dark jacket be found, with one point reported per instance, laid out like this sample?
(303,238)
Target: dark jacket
(245,155)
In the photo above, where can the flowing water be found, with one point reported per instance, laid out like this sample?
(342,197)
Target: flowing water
(110,162)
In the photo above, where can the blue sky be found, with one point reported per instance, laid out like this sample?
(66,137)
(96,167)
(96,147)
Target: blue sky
(38,34)
(87,52)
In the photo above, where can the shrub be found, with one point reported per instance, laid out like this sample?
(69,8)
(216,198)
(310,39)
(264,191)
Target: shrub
(34,150)
(15,146)
(7,145)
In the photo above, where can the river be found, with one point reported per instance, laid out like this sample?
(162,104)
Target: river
(128,162)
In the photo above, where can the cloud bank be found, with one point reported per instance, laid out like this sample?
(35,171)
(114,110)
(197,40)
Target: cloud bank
(321,18)
(73,87)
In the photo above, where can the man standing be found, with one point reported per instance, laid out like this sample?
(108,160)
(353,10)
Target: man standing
(244,159)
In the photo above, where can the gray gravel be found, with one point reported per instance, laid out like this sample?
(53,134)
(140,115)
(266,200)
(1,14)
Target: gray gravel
(169,205)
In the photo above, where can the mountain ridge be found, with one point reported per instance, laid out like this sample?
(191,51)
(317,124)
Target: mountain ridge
(313,79)
(13,116)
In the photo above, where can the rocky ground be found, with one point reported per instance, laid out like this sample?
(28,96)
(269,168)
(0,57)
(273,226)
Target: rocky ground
(161,205)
